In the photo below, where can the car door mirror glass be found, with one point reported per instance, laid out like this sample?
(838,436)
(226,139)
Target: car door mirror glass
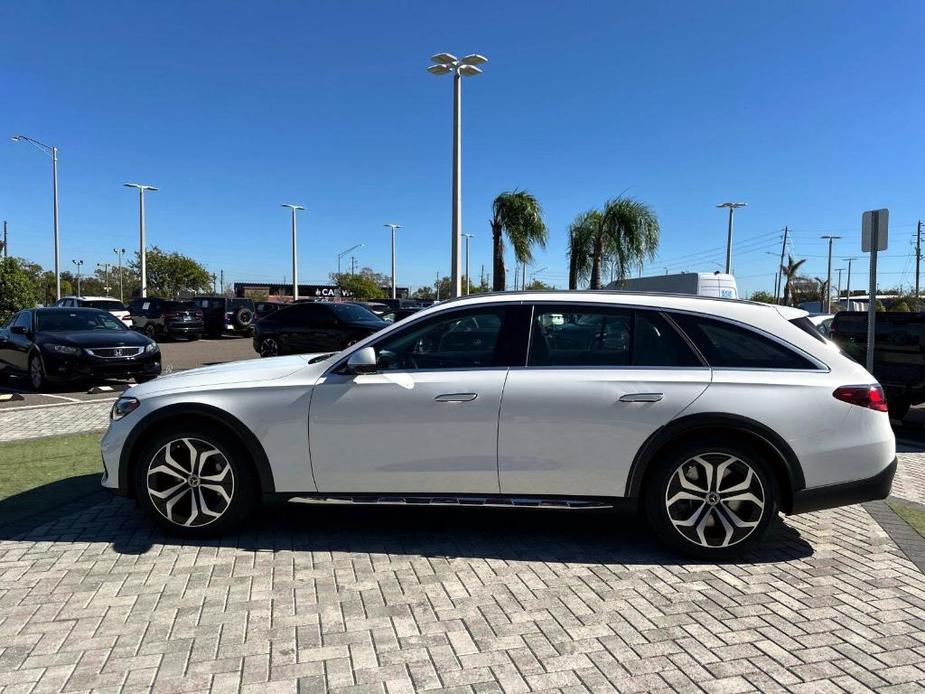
(363,361)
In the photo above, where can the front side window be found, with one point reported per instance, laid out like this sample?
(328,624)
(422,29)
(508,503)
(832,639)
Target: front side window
(23,320)
(606,337)
(725,345)
(469,341)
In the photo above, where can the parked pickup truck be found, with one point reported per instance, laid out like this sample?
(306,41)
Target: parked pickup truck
(899,353)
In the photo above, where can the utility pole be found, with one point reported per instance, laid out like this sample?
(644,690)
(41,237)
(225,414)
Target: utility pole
(918,253)
(6,253)
(733,206)
(437,286)
(482,277)
(393,227)
(141,233)
(468,279)
(353,265)
(848,284)
(516,275)
(119,253)
(780,267)
(221,282)
(105,267)
(295,254)
(214,288)
(828,275)
(838,291)
(78,263)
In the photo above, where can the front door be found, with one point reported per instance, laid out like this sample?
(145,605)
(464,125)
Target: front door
(598,382)
(427,421)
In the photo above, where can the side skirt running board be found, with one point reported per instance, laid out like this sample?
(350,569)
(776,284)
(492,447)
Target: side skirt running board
(486,501)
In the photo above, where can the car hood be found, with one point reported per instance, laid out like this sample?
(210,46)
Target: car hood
(93,338)
(250,371)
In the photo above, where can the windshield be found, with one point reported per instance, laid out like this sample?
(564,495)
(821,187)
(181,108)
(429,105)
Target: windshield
(104,304)
(66,321)
(354,312)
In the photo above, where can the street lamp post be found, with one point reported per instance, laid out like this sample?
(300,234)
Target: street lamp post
(142,256)
(468,278)
(78,263)
(393,227)
(119,253)
(828,276)
(343,253)
(732,207)
(466,66)
(53,153)
(105,267)
(295,262)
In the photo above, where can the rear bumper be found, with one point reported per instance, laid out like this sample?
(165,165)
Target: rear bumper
(846,493)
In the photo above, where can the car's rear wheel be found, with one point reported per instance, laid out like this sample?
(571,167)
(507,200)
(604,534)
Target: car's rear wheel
(711,502)
(150,331)
(269,347)
(196,482)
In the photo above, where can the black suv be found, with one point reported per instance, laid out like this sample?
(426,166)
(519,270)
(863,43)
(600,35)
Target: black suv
(222,314)
(163,318)
(265,308)
(317,327)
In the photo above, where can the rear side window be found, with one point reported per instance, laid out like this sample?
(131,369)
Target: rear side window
(588,336)
(807,326)
(730,346)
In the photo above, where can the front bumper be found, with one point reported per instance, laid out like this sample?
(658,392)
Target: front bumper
(845,493)
(67,368)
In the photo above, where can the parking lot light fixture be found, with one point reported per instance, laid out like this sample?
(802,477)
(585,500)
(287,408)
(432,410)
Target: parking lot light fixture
(445,63)
(295,262)
(141,233)
(52,152)
(120,252)
(393,227)
(77,264)
(732,206)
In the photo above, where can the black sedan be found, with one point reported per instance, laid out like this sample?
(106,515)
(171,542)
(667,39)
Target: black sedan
(75,344)
(314,327)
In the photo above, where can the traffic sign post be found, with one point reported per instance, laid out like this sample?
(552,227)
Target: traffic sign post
(874,227)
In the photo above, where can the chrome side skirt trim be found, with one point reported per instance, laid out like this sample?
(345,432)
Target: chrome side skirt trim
(481,501)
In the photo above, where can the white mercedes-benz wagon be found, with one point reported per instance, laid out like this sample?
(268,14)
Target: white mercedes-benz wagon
(711,415)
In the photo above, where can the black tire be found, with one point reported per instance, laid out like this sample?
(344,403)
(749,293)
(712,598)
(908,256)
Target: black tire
(708,536)
(242,318)
(898,407)
(269,347)
(37,379)
(151,331)
(243,490)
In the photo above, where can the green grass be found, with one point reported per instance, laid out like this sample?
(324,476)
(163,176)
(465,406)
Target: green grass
(913,514)
(25,465)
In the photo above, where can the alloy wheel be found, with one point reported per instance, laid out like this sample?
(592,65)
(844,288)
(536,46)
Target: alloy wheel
(36,374)
(190,482)
(269,347)
(715,500)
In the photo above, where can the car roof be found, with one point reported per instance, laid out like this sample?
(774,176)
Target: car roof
(91,298)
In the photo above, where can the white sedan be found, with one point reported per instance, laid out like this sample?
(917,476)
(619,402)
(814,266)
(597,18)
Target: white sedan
(712,414)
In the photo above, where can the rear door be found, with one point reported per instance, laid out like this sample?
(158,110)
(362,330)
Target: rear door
(599,380)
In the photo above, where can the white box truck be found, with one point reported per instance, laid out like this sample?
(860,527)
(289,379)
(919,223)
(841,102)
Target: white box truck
(717,284)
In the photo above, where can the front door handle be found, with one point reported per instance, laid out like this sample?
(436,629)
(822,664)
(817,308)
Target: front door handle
(456,397)
(642,397)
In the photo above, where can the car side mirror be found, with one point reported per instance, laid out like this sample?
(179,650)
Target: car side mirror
(363,361)
(19,330)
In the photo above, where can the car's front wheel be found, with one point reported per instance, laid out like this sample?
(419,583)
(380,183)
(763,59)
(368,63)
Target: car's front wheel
(196,482)
(711,502)
(36,373)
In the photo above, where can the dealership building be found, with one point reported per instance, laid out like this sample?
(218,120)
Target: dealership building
(279,291)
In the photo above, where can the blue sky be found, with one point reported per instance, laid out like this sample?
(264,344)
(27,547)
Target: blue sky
(810,111)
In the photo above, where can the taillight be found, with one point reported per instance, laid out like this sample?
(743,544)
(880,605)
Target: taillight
(871,397)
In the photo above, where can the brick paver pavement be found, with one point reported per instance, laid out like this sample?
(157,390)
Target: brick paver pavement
(50,420)
(395,600)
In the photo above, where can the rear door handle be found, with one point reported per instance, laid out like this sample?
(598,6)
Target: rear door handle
(642,397)
(456,397)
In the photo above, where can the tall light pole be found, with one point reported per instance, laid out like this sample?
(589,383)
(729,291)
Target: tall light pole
(343,253)
(468,280)
(848,284)
(828,275)
(466,66)
(141,233)
(52,152)
(78,263)
(393,227)
(119,253)
(295,262)
(732,207)
(105,267)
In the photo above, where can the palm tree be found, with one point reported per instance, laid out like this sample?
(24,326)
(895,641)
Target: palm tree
(520,215)
(627,233)
(790,273)
(581,245)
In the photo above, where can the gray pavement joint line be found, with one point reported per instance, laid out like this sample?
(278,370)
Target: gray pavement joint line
(901,533)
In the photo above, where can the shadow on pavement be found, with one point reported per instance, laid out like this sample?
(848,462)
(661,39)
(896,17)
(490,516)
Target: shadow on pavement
(524,534)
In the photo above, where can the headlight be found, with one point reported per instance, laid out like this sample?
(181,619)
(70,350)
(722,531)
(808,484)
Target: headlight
(151,348)
(122,407)
(63,349)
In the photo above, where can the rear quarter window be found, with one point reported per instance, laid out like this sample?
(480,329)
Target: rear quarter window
(727,345)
